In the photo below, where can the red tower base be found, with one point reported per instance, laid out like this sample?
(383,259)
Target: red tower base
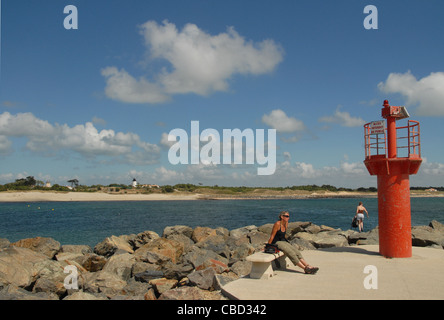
(395,234)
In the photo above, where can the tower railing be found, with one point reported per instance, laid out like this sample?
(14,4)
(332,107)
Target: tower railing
(375,144)
(408,141)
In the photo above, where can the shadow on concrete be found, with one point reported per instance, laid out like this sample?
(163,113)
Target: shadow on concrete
(353,249)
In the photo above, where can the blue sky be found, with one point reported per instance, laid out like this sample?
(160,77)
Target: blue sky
(97,103)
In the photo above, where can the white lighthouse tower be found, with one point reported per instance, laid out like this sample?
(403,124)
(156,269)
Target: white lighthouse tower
(134,184)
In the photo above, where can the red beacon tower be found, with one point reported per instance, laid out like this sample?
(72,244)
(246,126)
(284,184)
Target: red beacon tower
(393,158)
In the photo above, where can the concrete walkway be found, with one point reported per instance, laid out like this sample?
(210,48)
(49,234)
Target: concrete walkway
(341,276)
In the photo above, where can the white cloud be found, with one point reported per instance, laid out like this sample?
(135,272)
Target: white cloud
(432,168)
(356,167)
(44,137)
(121,86)
(305,170)
(5,145)
(165,142)
(343,118)
(427,93)
(198,63)
(278,119)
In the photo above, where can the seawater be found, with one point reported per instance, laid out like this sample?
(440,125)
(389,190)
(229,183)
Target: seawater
(91,222)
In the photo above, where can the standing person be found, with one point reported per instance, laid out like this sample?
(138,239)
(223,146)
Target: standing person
(360,216)
(278,238)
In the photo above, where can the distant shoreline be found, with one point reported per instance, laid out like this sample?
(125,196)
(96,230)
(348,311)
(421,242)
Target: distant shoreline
(52,196)
(48,196)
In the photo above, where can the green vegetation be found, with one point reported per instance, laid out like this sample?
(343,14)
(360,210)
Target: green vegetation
(30,183)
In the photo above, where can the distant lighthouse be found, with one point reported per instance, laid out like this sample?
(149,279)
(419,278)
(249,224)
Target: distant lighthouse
(134,184)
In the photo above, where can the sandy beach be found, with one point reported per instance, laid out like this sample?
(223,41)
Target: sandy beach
(44,196)
(36,196)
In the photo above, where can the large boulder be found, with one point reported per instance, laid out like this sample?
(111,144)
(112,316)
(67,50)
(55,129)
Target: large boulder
(198,257)
(203,279)
(108,283)
(216,265)
(177,271)
(148,275)
(258,239)
(136,289)
(242,232)
(438,226)
(12,292)
(111,244)
(298,226)
(47,246)
(424,236)
(363,238)
(163,284)
(324,239)
(77,249)
(242,251)
(160,251)
(142,238)
(201,233)
(120,264)
(18,266)
(50,278)
(91,262)
(241,268)
(178,230)
(215,243)
(51,284)
(189,293)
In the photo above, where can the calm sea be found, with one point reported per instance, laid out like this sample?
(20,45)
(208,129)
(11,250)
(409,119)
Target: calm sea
(91,222)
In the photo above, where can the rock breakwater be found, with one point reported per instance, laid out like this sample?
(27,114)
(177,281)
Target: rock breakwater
(181,264)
